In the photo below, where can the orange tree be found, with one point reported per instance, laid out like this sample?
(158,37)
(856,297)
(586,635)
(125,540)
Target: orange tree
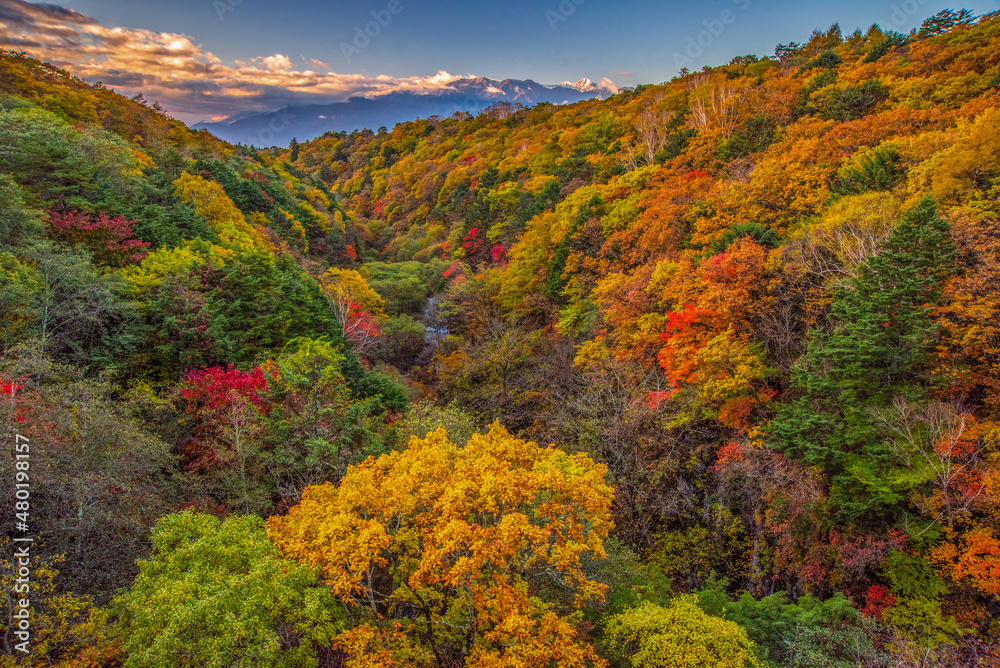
(459,556)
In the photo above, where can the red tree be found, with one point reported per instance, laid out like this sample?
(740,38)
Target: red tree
(111,240)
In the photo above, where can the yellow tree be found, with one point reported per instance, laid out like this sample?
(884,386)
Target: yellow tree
(459,556)
(680,635)
(357,306)
(210,201)
(40,623)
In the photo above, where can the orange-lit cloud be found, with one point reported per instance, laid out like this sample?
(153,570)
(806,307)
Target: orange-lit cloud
(191,83)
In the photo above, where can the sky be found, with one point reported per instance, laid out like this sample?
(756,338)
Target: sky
(209,59)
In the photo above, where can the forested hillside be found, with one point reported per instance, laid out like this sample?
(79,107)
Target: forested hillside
(293,407)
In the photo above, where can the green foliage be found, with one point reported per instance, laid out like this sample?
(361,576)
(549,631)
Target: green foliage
(827,60)
(851,102)
(216,594)
(678,635)
(764,236)
(922,622)
(913,577)
(891,40)
(307,435)
(80,314)
(21,291)
(63,168)
(18,223)
(753,136)
(161,218)
(405,286)
(827,632)
(402,340)
(237,312)
(387,393)
(877,351)
(843,646)
(945,21)
(870,169)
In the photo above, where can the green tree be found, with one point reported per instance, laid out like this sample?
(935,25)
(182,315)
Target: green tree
(21,291)
(83,316)
(807,632)
(18,223)
(401,342)
(679,635)
(216,595)
(878,349)
(315,428)
(63,168)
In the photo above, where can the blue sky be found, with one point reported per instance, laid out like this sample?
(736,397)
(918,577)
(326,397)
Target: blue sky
(499,39)
(169,49)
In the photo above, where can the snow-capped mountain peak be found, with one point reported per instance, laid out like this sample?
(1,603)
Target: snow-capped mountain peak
(583,85)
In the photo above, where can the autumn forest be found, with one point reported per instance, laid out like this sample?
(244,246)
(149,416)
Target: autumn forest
(705,373)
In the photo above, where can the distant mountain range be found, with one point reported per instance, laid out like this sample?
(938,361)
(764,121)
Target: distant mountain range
(306,122)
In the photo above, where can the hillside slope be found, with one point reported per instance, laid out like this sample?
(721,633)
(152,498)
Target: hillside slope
(754,308)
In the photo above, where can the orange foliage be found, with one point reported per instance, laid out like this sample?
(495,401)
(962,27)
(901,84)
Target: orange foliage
(974,557)
(458,535)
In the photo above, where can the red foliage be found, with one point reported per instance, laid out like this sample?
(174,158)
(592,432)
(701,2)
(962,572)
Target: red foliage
(730,453)
(722,268)
(497,252)
(378,209)
(10,388)
(878,600)
(696,174)
(109,239)
(360,323)
(473,242)
(211,393)
(15,405)
(654,399)
(352,253)
(679,322)
(214,388)
(451,270)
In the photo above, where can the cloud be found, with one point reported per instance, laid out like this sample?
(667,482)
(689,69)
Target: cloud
(25,15)
(275,63)
(190,82)
(621,74)
(608,85)
(318,64)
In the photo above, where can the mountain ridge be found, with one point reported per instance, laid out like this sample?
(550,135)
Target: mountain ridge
(469,95)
